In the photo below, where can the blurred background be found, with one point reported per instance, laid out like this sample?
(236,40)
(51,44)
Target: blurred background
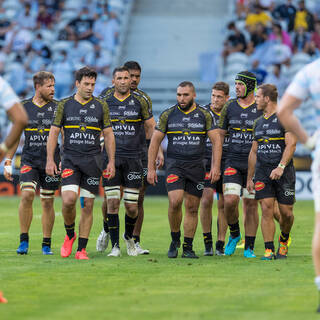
(202,41)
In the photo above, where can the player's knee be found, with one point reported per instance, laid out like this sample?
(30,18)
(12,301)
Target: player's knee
(27,197)
(286,214)
(69,201)
(206,201)
(131,209)
(230,202)
(113,205)
(47,204)
(175,204)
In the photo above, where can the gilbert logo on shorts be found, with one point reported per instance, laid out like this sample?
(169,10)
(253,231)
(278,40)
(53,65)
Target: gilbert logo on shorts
(67,173)
(172,178)
(25,169)
(207,176)
(230,171)
(259,186)
(106,174)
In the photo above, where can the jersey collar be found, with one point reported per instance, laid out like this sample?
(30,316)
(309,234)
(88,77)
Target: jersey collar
(121,100)
(192,109)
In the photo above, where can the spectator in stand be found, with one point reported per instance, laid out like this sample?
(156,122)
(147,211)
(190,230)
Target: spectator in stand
(280,36)
(80,28)
(301,40)
(259,72)
(5,24)
(44,19)
(285,12)
(315,37)
(41,48)
(278,79)
(26,20)
(303,18)
(257,15)
(236,42)
(18,40)
(242,8)
(257,37)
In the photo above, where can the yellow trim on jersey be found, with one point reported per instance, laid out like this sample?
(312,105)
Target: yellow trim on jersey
(126,120)
(186,132)
(269,116)
(218,114)
(83,103)
(35,129)
(87,127)
(39,105)
(272,139)
(194,108)
(245,107)
(239,129)
(121,100)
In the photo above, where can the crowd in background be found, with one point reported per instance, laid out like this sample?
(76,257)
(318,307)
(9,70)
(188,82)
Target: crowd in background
(270,32)
(58,36)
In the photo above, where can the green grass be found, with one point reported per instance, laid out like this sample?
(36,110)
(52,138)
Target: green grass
(153,287)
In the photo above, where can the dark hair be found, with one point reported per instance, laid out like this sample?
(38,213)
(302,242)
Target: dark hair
(119,69)
(132,65)
(85,72)
(187,84)
(222,86)
(231,25)
(269,90)
(40,77)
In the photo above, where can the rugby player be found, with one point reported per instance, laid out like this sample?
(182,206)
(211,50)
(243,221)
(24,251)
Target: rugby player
(82,117)
(271,172)
(186,125)
(219,96)
(102,241)
(130,115)
(15,111)
(40,109)
(305,85)
(236,119)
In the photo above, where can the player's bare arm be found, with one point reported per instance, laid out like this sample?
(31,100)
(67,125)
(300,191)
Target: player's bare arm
(51,168)
(216,141)
(110,145)
(251,166)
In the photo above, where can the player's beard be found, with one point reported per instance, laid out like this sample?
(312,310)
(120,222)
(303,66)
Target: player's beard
(188,106)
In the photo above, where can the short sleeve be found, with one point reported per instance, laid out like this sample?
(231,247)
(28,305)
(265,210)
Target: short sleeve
(8,97)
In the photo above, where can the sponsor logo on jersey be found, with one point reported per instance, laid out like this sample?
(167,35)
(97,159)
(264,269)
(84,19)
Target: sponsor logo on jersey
(275,120)
(254,110)
(289,193)
(196,115)
(49,109)
(92,181)
(185,119)
(92,106)
(50,179)
(67,173)
(200,186)
(134,176)
(265,125)
(83,111)
(40,115)
(131,102)
(195,125)
(230,171)
(259,186)
(130,113)
(243,115)
(25,169)
(171,178)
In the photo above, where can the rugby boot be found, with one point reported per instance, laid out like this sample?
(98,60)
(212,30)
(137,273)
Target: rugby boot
(173,249)
(189,254)
(208,251)
(46,250)
(231,245)
(282,252)
(219,252)
(23,247)
(115,252)
(82,255)
(248,253)
(268,255)
(131,247)
(66,248)
(103,241)
(140,250)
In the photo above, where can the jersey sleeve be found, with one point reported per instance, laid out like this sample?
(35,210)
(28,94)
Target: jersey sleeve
(162,124)
(254,129)
(145,109)
(224,121)
(58,118)
(106,115)
(210,122)
(8,97)
(299,87)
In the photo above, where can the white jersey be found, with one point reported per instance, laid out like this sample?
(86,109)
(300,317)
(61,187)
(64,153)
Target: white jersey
(7,96)
(306,84)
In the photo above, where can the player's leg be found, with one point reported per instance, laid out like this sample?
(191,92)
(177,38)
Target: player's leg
(206,219)
(222,226)
(28,186)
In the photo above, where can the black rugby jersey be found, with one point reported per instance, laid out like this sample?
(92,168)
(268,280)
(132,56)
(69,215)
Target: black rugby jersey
(108,92)
(270,135)
(36,133)
(238,121)
(186,132)
(82,124)
(127,118)
(216,117)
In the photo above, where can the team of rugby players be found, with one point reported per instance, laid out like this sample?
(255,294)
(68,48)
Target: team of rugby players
(236,147)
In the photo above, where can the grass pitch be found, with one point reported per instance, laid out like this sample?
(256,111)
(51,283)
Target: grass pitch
(152,286)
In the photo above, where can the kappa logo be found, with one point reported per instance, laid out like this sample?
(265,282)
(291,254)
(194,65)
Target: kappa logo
(254,110)
(230,171)
(259,186)
(25,169)
(92,106)
(275,120)
(67,173)
(49,109)
(200,186)
(207,176)
(196,115)
(131,102)
(172,178)
(83,111)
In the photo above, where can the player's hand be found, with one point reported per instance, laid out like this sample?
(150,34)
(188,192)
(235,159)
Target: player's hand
(51,168)
(214,174)
(160,160)
(111,170)
(152,177)
(250,186)
(60,167)
(276,173)
(2,154)
(8,169)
